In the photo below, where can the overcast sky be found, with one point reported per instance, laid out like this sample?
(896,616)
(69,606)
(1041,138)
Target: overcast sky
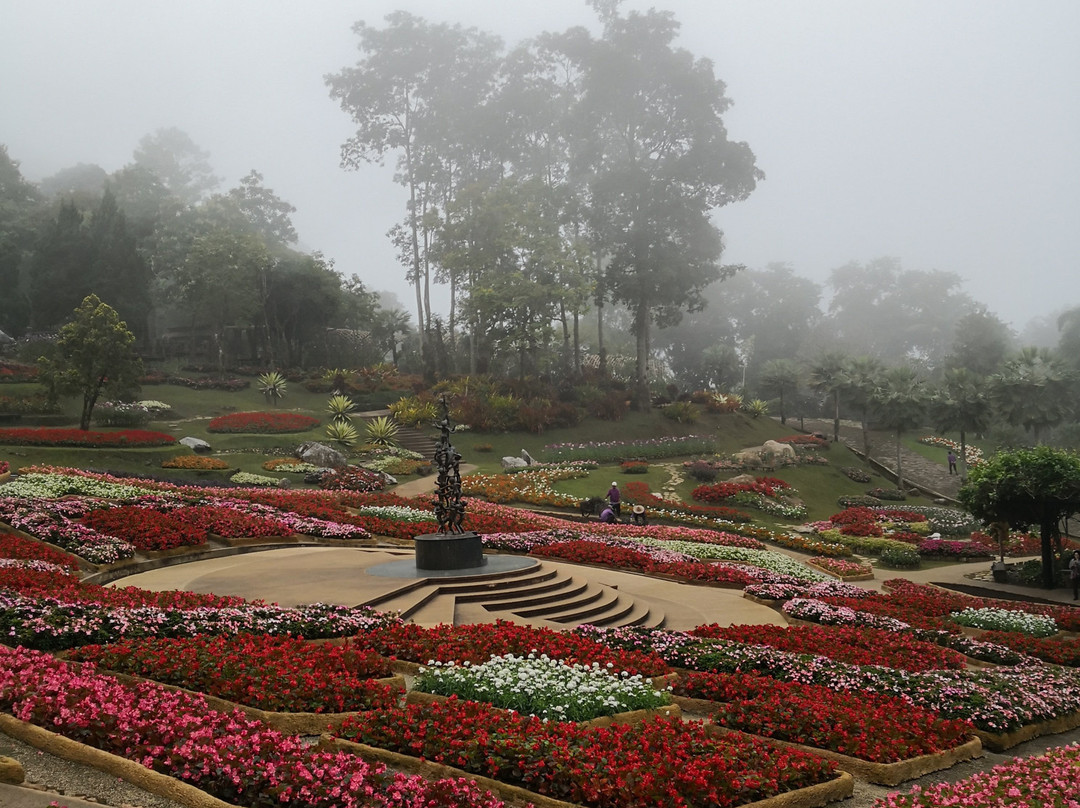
(940,132)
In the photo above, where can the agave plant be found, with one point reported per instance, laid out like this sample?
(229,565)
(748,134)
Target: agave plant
(342,432)
(382,431)
(340,408)
(340,378)
(273,386)
(756,408)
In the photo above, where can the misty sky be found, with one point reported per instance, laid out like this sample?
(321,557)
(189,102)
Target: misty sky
(943,133)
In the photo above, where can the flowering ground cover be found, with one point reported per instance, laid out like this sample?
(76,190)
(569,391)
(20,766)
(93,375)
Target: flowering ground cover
(856,645)
(16,547)
(479,642)
(617,451)
(842,568)
(229,756)
(265,423)
(878,728)
(994,700)
(653,764)
(145,528)
(1013,620)
(284,674)
(538,685)
(87,439)
(1041,781)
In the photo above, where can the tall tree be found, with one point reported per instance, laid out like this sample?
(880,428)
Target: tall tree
(269,214)
(962,404)
(59,269)
(178,162)
(900,404)
(1034,390)
(117,270)
(828,375)
(659,162)
(864,377)
(981,343)
(417,90)
(1039,486)
(94,353)
(18,201)
(780,377)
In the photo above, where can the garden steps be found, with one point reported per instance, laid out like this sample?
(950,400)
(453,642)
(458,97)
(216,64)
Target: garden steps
(541,595)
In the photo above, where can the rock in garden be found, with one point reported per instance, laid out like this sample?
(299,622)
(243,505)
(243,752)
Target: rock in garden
(197,445)
(11,771)
(318,454)
(511,462)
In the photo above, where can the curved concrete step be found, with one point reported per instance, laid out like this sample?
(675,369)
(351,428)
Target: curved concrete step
(587,595)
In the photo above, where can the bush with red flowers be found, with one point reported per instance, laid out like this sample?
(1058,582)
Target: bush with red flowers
(83,438)
(264,423)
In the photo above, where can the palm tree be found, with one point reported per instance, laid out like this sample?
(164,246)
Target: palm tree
(779,376)
(1033,390)
(962,404)
(828,375)
(900,403)
(864,378)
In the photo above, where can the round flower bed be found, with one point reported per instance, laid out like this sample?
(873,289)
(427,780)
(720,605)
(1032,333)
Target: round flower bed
(266,423)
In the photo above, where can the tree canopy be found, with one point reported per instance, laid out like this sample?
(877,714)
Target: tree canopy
(1025,487)
(94,354)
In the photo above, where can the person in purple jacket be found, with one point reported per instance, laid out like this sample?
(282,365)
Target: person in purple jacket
(614,498)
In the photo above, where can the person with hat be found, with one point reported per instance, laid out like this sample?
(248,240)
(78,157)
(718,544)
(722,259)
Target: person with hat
(614,498)
(637,515)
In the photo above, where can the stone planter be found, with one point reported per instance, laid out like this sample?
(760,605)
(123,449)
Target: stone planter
(865,576)
(1000,741)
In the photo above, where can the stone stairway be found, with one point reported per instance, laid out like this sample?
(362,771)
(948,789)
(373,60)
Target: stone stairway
(540,595)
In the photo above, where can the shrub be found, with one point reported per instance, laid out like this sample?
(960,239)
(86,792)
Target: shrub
(272,384)
(382,431)
(414,411)
(122,414)
(634,467)
(339,407)
(682,412)
(856,474)
(854,502)
(266,423)
(702,471)
(342,432)
(756,408)
(890,494)
(482,447)
(352,478)
(196,462)
(900,557)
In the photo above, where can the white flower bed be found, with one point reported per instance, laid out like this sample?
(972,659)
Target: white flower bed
(1035,625)
(541,686)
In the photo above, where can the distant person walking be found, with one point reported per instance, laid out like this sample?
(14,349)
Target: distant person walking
(614,498)
(1074,573)
(952,461)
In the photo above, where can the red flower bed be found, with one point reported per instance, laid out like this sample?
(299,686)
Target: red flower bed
(638,492)
(13,546)
(870,727)
(1052,650)
(656,763)
(481,641)
(267,423)
(718,492)
(938,602)
(284,674)
(41,436)
(68,588)
(145,528)
(851,644)
(353,478)
(593,552)
(229,523)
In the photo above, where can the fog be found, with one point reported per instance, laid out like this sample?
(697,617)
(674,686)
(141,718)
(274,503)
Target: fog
(942,134)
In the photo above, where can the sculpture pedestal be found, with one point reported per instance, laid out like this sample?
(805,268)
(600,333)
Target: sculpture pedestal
(449,551)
